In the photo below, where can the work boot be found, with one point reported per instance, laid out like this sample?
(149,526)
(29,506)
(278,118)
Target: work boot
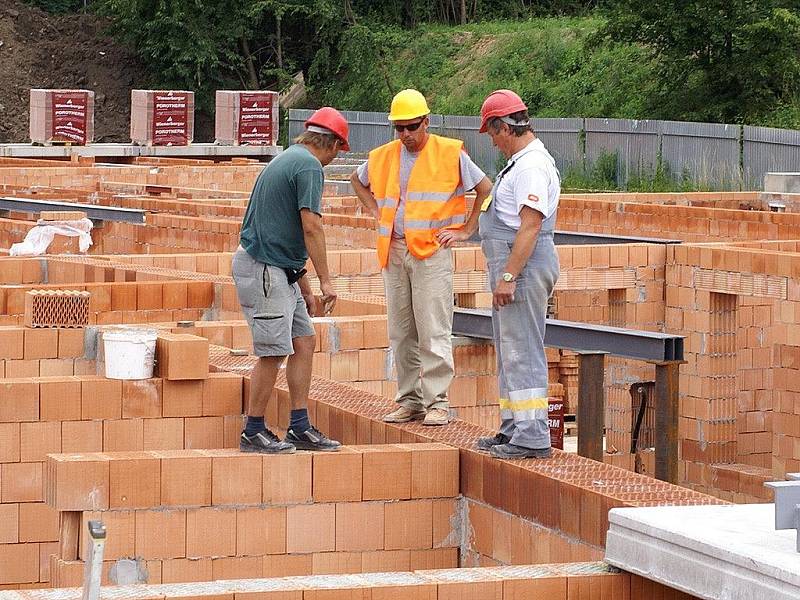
(486,443)
(312,439)
(264,442)
(437,416)
(404,415)
(514,451)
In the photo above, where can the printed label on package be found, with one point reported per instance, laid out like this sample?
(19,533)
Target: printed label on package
(69,116)
(255,119)
(170,119)
(555,419)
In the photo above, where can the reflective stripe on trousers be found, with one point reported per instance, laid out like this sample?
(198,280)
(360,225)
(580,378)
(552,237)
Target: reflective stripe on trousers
(519,341)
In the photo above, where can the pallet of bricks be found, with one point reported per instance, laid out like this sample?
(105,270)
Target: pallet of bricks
(202,515)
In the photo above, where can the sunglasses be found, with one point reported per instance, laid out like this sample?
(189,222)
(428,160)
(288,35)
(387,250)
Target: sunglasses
(411,127)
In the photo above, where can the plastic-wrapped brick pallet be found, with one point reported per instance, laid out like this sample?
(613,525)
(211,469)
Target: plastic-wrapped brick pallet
(162,117)
(61,116)
(246,118)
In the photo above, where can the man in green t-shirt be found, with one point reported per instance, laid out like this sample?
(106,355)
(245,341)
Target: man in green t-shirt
(282,228)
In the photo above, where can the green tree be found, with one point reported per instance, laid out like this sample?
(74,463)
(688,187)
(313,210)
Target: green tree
(720,60)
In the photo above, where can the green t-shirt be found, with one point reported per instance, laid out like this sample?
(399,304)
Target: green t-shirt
(272,231)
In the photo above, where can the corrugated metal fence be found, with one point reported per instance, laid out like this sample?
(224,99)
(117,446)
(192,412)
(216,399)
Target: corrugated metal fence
(711,155)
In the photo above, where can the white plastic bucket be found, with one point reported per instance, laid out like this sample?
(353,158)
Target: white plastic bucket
(129,353)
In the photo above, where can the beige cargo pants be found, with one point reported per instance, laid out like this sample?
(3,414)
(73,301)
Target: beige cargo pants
(419,306)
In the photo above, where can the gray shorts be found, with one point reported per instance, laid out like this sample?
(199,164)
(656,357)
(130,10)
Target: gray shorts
(274,309)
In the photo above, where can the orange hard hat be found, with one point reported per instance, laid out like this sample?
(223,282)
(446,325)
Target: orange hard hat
(500,103)
(332,121)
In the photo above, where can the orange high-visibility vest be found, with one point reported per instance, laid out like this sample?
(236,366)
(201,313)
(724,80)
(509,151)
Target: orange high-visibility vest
(434,198)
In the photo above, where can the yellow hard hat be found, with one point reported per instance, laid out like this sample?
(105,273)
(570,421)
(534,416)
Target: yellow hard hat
(408,104)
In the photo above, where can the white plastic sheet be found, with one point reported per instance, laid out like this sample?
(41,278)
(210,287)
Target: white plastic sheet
(40,237)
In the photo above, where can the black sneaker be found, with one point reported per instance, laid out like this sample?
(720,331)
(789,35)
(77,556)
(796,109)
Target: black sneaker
(514,451)
(486,443)
(312,439)
(264,442)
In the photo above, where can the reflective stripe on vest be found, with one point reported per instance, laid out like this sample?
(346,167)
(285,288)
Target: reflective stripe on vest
(434,198)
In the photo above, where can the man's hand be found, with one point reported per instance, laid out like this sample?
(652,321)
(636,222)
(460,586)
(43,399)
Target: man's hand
(328,297)
(503,293)
(312,304)
(448,237)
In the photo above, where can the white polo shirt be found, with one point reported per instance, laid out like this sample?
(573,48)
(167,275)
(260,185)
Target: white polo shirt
(530,178)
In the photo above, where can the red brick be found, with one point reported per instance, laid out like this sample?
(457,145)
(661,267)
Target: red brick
(162,434)
(386,472)
(210,532)
(82,436)
(9,523)
(260,531)
(40,343)
(134,481)
(19,400)
(9,442)
(287,478)
(235,479)
(141,398)
(409,525)
(125,435)
(311,528)
(185,481)
(203,432)
(101,398)
(222,394)
(359,526)
(161,533)
(19,563)
(37,523)
(60,399)
(11,343)
(22,482)
(77,482)
(39,439)
(337,476)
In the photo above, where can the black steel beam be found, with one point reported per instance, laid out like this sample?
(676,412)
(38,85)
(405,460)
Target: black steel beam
(583,337)
(667,438)
(592,404)
(93,211)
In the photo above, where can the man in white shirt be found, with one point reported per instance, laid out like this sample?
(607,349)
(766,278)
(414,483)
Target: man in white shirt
(516,228)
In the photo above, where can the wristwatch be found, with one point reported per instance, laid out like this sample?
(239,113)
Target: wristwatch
(508,277)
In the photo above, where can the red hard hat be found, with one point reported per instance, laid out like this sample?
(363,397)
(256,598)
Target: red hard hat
(334,121)
(500,103)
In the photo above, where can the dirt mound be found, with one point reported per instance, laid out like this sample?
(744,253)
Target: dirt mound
(40,50)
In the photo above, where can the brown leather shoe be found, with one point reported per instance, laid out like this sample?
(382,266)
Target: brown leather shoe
(404,415)
(437,416)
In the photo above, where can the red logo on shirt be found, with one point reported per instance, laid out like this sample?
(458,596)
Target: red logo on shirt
(533,198)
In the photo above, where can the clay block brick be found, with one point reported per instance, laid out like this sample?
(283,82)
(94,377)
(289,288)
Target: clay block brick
(287,565)
(237,567)
(440,558)
(9,523)
(203,432)
(101,398)
(22,368)
(39,439)
(123,297)
(174,294)
(185,481)
(9,442)
(287,478)
(199,294)
(540,587)
(222,394)
(409,525)
(236,479)
(56,308)
(182,398)
(11,343)
(81,436)
(359,526)
(134,481)
(434,471)
(77,482)
(57,367)
(120,533)
(162,434)
(21,482)
(40,343)
(473,590)
(311,528)
(37,522)
(408,592)
(182,356)
(445,523)
(149,296)
(180,570)
(161,533)
(19,563)
(386,472)
(330,563)
(141,398)
(337,476)
(386,561)
(60,399)
(70,343)
(260,531)
(125,435)
(210,532)
(19,400)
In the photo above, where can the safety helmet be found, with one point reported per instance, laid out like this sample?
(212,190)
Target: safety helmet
(408,104)
(500,103)
(330,121)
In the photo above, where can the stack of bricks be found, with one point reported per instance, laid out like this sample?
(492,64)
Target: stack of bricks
(197,515)
(46,415)
(568,377)
(26,352)
(162,118)
(56,308)
(786,412)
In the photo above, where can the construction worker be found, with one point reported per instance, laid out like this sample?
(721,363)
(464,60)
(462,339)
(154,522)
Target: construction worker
(415,188)
(516,230)
(282,227)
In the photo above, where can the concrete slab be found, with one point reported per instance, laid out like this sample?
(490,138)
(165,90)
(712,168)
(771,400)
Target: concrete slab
(132,150)
(728,552)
